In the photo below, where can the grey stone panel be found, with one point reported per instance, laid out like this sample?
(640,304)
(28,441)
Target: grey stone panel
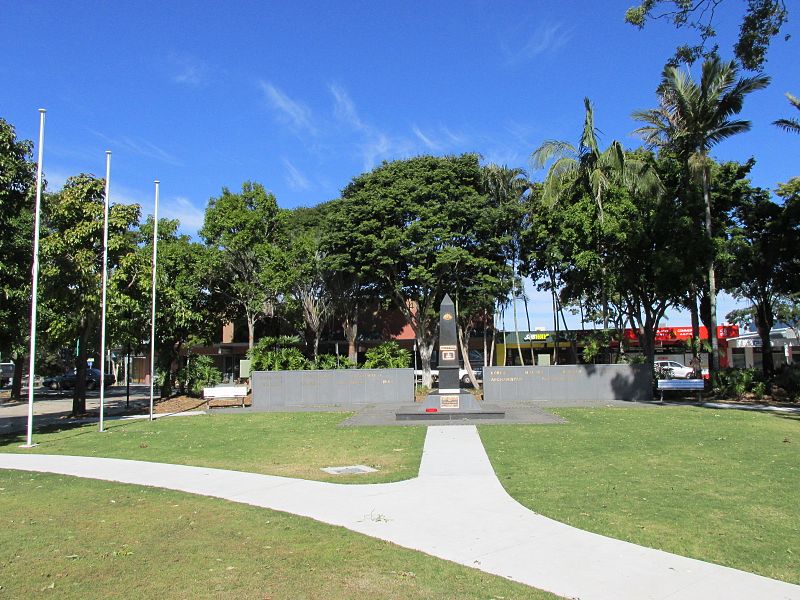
(277,390)
(567,382)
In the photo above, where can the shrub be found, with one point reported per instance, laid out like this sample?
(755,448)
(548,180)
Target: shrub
(277,354)
(735,383)
(283,359)
(198,373)
(331,361)
(388,355)
(788,378)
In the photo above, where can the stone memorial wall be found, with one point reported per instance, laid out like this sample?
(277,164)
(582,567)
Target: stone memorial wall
(504,385)
(282,390)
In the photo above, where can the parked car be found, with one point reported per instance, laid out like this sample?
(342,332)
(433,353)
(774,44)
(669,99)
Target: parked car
(67,382)
(464,376)
(6,373)
(675,369)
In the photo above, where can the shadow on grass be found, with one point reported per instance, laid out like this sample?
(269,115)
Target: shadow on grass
(70,429)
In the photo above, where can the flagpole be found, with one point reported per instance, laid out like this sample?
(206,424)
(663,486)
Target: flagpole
(153,308)
(105,283)
(35,280)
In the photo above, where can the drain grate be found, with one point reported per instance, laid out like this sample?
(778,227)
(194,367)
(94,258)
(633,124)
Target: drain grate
(351,470)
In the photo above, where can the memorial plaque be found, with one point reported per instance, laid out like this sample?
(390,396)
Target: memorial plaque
(449,401)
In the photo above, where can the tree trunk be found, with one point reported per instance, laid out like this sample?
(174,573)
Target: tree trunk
(712,281)
(16,382)
(350,328)
(463,344)
(493,344)
(764,321)
(695,322)
(425,348)
(251,333)
(555,326)
(528,320)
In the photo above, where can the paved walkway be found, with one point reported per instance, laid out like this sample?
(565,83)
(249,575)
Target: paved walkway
(455,509)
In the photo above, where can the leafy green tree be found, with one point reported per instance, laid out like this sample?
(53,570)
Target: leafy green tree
(790,124)
(185,314)
(590,170)
(761,21)
(763,266)
(17,182)
(306,271)
(71,266)
(693,117)
(417,228)
(351,287)
(242,232)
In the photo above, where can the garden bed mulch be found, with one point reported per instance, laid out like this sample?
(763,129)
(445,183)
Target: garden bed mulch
(178,404)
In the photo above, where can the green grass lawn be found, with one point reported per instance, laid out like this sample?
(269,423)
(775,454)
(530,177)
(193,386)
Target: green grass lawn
(290,444)
(65,537)
(718,485)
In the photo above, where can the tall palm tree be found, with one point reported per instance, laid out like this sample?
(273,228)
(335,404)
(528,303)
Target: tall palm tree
(792,125)
(692,118)
(505,186)
(591,169)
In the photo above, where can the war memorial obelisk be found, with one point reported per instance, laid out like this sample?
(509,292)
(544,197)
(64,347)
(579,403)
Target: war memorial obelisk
(449,402)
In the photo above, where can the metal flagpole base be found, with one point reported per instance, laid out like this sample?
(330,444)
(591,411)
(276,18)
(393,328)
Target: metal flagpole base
(27,445)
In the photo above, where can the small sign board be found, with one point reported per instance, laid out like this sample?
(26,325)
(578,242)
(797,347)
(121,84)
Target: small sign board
(449,401)
(244,369)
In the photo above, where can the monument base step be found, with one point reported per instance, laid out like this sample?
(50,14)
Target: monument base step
(449,407)
(418,413)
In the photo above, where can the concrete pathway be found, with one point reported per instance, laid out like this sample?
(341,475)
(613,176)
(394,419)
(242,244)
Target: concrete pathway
(455,509)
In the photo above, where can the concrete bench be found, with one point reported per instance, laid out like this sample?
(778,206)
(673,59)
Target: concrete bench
(225,392)
(680,384)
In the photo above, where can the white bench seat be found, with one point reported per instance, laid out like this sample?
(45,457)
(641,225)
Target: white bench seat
(225,392)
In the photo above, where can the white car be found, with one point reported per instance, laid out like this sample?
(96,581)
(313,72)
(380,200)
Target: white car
(676,369)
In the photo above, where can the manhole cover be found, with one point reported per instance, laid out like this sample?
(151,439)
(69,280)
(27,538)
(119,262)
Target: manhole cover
(351,470)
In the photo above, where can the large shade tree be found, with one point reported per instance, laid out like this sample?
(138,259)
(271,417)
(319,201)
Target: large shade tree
(763,267)
(418,229)
(185,314)
(692,117)
(242,232)
(71,266)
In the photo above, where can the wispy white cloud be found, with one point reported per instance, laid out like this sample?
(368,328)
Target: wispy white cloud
(375,145)
(188,70)
(138,146)
(429,143)
(454,139)
(297,113)
(546,38)
(294,178)
(181,208)
(344,108)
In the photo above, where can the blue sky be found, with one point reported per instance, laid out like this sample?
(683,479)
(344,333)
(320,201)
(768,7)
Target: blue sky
(303,96)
